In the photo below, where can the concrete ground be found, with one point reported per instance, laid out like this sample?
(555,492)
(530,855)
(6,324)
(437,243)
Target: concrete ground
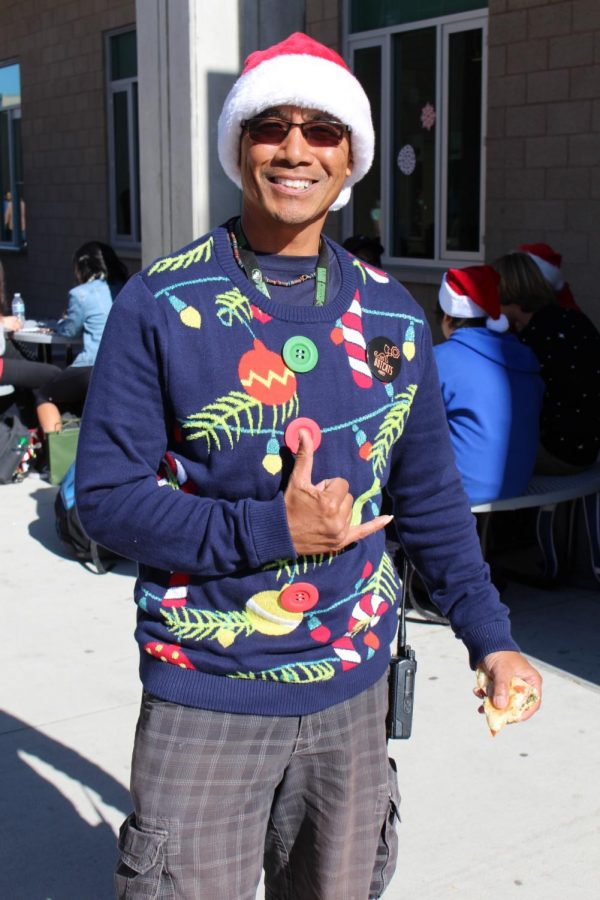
(483,819)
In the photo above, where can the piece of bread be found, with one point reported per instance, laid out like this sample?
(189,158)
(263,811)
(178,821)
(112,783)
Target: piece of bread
(521,697)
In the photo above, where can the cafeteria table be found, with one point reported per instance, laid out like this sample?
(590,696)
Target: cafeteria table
(45,339)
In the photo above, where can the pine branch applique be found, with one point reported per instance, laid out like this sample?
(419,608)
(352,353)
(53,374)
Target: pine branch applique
(217,417)
(384,582)
(201,253)
(356,262)
(292,568)
(233,305)
(391,428)
(203,624)
(294,673)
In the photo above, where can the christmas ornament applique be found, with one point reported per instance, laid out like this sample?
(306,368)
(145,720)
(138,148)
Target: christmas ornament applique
(267,382)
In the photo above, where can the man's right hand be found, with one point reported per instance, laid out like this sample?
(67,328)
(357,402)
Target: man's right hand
(319,514)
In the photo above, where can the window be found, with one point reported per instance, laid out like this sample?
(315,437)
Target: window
(123,138)
(12,221)
(426,83)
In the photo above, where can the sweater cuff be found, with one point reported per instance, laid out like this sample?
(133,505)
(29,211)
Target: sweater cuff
(268,525)
(488,639)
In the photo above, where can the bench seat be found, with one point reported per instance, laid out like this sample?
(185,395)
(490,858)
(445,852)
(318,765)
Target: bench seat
(544,493)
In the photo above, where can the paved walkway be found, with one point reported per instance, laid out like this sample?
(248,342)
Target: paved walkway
(483,819)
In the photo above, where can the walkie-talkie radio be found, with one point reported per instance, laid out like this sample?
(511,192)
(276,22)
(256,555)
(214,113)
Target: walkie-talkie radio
(403,667)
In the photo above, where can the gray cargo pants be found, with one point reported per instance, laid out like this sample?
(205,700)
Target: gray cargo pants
(217,796)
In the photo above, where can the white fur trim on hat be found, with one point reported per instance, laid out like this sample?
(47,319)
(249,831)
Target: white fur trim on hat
(459,306)
(552,274)
(474,281)
(307,81)
(499,325)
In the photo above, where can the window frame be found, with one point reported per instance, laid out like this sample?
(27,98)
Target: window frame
(18,242)
(382,37)
(128,86)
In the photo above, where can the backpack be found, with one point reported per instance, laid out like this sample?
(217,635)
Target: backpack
(14,447)
(70,530)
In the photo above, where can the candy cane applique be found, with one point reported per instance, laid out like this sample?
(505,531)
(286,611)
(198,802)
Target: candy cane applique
(355,345)
(177,591)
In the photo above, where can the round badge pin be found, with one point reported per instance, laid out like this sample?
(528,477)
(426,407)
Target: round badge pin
(384,359)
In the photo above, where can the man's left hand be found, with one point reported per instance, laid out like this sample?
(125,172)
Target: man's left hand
(500,668)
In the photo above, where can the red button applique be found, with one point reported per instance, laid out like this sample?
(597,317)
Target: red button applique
(292,436)
(299,597)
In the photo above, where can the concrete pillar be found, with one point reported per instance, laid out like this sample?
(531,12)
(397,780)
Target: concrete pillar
(189,54)
(188,58)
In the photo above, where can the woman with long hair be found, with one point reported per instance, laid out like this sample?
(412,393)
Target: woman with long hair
(97,270)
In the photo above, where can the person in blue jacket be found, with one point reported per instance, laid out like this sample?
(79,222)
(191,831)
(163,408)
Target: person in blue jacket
(491,387)
(99,274)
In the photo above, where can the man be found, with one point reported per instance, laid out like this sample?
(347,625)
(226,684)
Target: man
(275,384)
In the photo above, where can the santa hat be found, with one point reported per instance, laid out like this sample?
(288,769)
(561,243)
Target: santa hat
(472,293)
(298,72)
(548,262)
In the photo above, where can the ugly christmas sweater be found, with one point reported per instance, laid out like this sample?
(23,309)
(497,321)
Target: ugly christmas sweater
(185,450)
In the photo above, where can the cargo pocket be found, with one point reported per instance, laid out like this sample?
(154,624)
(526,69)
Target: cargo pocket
(140,870)
(387,845)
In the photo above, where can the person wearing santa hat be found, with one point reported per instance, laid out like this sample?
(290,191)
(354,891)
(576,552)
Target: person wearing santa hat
(491,387)
(567,346)
(549,263)
(289,382)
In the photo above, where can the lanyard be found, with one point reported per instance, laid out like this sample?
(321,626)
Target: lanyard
(250,265)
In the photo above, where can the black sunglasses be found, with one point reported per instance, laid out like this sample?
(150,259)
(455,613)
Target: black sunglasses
(319,133)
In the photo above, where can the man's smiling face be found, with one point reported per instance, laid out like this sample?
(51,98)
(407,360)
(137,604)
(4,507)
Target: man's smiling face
(292,183)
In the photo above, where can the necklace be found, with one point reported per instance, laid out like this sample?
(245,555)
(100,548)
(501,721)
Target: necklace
(246,260)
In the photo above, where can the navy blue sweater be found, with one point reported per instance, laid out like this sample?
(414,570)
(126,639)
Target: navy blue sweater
(182,465)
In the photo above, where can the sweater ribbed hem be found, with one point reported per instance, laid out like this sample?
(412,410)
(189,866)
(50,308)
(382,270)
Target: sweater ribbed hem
(221,693)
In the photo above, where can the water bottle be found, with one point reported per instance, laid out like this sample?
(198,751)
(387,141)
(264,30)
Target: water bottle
(18,307)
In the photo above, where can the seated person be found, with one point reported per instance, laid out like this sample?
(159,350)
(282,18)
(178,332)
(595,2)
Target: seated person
(549,262)
(366,248)
(491,387)
(89,304)
(567,347)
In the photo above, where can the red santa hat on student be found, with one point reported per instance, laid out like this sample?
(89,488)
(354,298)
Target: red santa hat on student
(298,72)
(548,262)
(472,293)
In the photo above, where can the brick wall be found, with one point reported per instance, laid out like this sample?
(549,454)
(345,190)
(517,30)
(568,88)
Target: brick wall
(60,47)
(543,153)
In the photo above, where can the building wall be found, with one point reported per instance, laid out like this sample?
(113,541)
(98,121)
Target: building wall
(324,23)
(543,179)
(60,47)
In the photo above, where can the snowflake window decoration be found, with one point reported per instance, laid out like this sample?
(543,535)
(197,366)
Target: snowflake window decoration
(407,160)
(428,115)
